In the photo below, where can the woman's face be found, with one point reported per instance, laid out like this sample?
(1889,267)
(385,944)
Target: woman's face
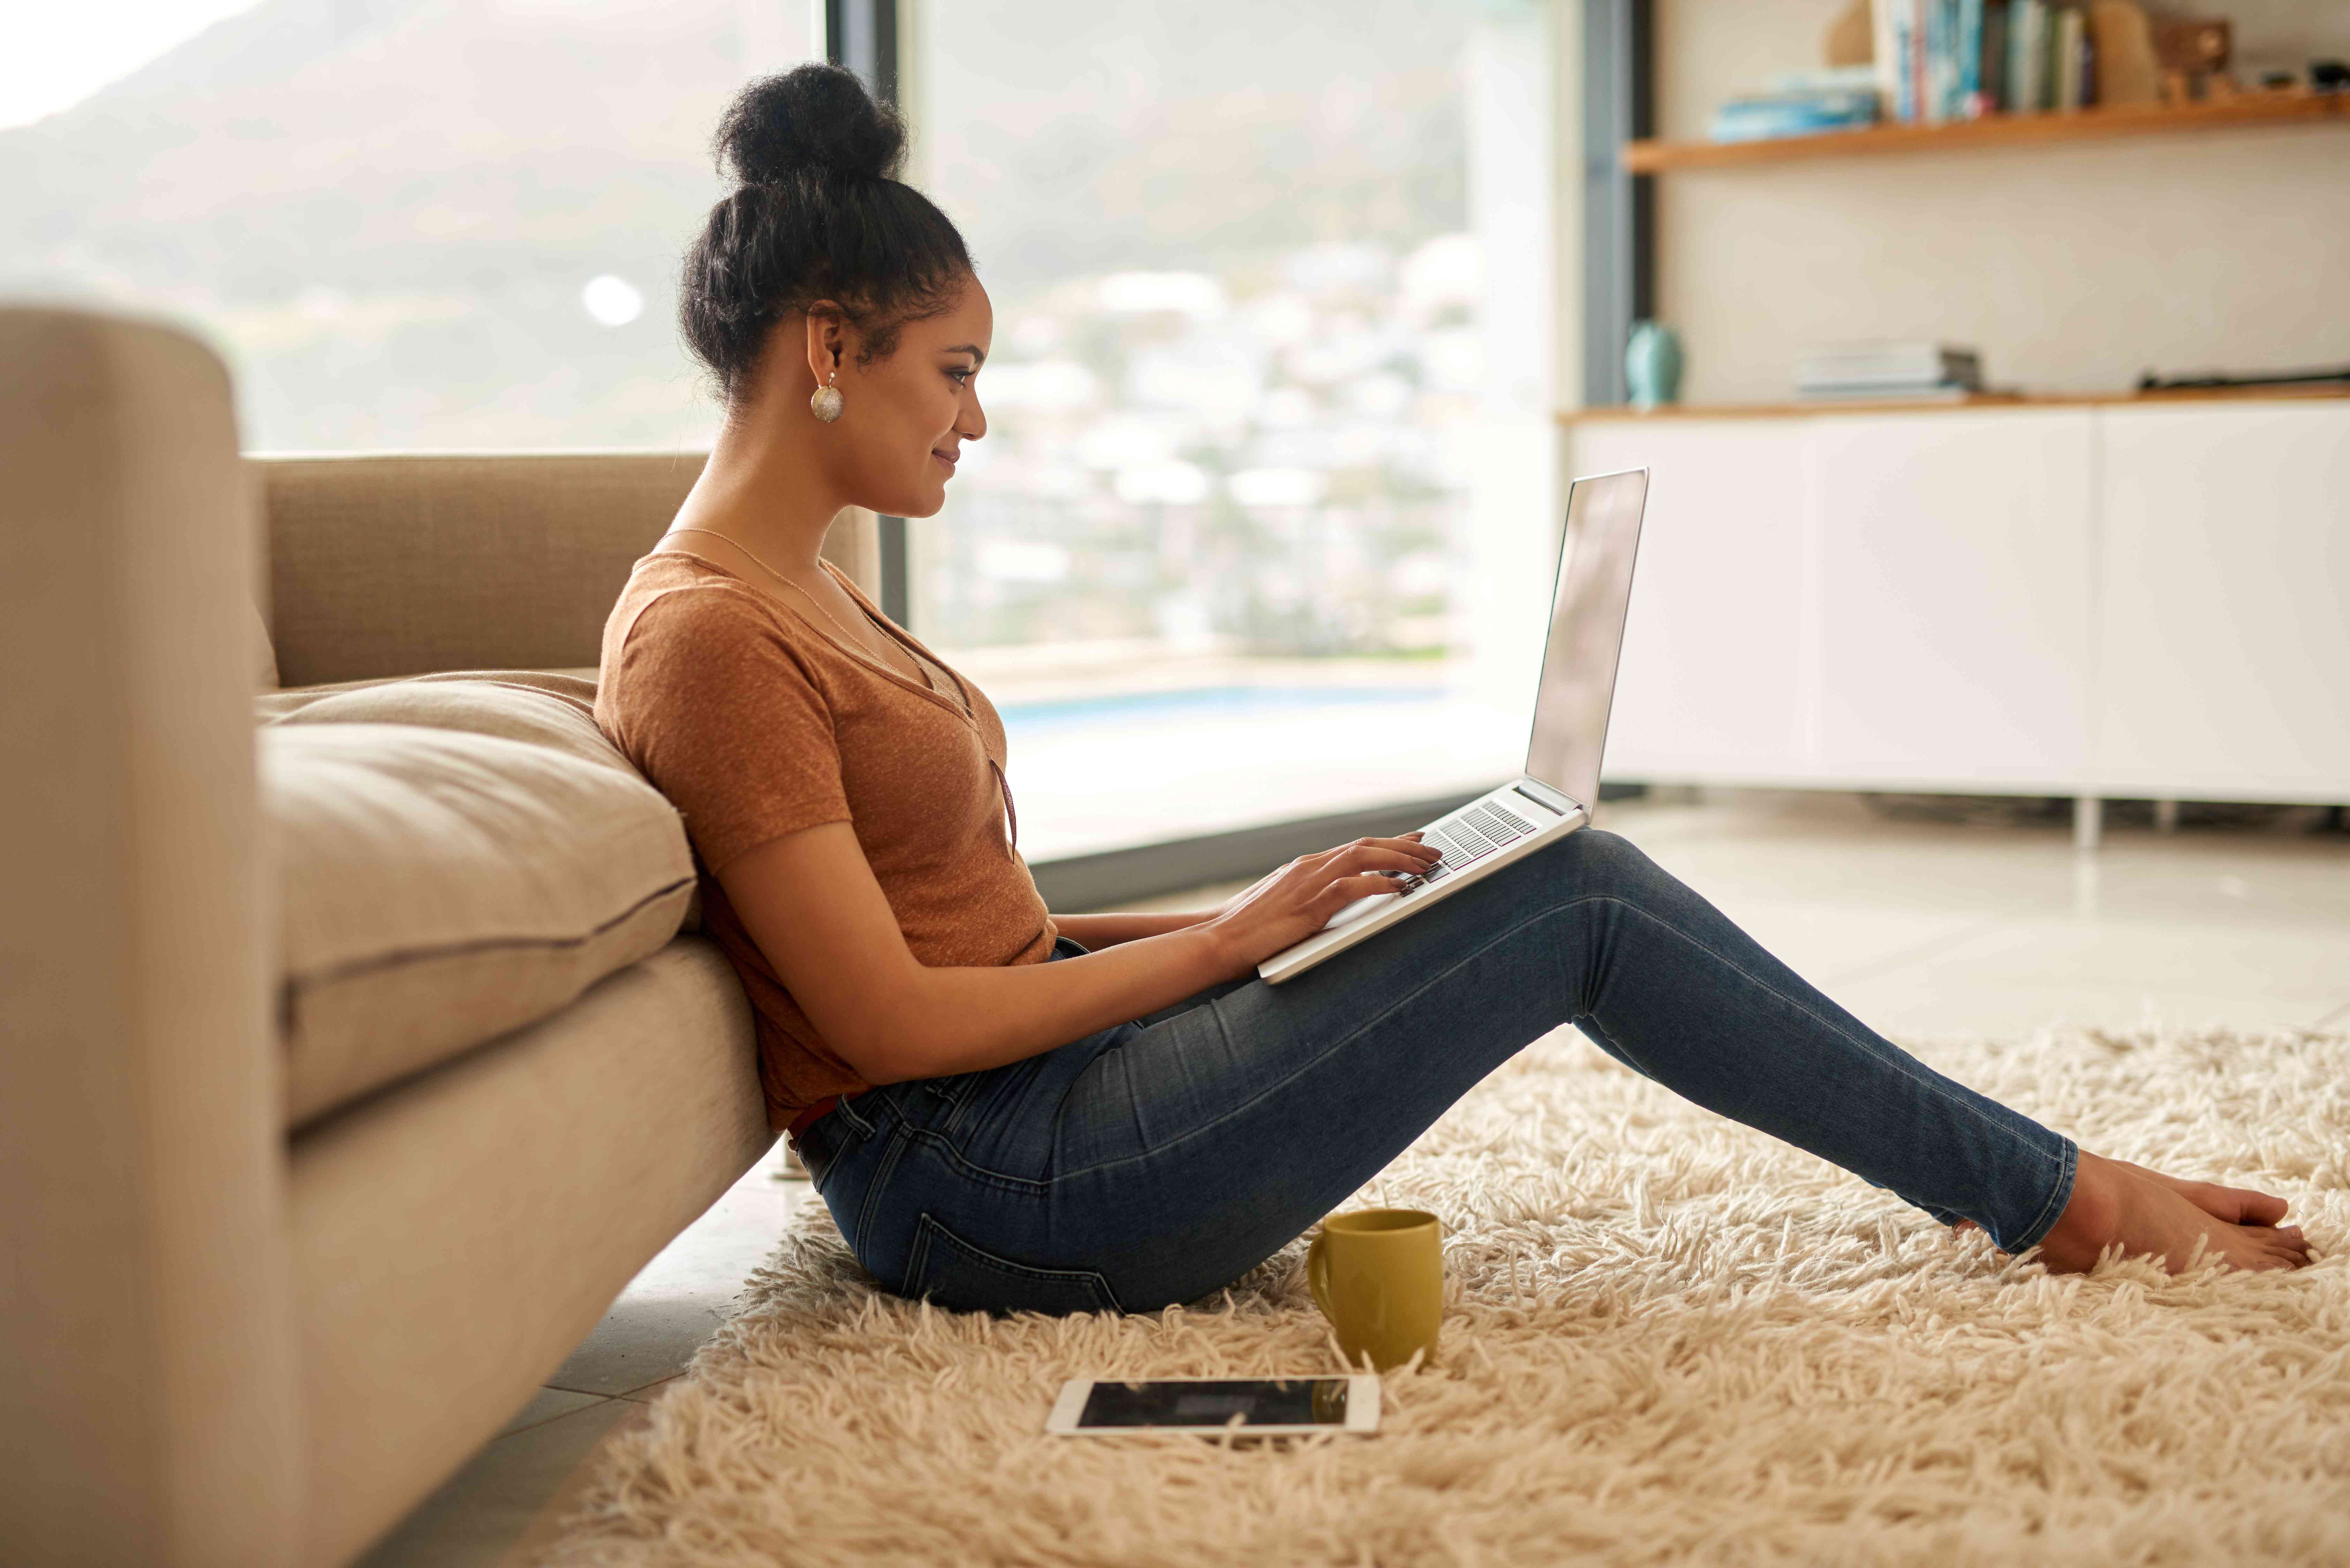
(904,417)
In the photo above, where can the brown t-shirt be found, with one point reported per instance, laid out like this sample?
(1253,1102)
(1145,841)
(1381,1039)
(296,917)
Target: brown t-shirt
(756,723)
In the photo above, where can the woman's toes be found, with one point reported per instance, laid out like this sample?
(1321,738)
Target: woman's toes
(2290,1251)
(2255,1207)
(2237,1205)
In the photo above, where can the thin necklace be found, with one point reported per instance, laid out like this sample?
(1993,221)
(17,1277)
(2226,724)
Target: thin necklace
(854,640)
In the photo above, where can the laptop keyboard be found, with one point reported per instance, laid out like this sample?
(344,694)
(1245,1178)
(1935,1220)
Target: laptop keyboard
(1468,838)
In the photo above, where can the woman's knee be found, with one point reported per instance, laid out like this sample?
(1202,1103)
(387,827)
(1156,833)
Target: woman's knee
(1595,859)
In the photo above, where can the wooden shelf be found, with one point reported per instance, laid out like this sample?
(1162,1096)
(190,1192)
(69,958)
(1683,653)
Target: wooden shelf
(1977,402)
(1997,131)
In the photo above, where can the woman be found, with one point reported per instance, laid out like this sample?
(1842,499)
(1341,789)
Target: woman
(1007,1109)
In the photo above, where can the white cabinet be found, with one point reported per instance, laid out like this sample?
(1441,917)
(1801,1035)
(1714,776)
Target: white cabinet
(1711,681)
(2124,600)
(2224,652)
(1954,563)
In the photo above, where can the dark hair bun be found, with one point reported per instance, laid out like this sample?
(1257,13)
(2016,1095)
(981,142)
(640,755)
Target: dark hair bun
(815,116)
(819,216)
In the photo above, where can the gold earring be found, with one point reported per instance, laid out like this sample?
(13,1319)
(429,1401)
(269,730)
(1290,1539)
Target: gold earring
(825,404)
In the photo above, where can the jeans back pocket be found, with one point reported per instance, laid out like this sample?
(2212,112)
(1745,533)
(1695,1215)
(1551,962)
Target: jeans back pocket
(956,1275)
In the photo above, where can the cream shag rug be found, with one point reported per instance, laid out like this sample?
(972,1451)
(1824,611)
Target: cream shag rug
(1670,1339)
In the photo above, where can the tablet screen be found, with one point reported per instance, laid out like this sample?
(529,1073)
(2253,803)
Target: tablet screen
(1258,1402)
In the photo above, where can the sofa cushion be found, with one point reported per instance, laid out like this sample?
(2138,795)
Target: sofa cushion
(457,858)
(544,707)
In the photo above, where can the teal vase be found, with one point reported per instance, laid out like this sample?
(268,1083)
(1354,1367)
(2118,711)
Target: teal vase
(1653,365)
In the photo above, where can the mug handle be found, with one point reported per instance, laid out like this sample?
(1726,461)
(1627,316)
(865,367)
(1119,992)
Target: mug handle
(1317,1275)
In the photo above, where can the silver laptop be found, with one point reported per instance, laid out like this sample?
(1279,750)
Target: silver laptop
(1560,788)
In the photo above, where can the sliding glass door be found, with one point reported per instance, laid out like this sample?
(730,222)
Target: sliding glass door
(1264,512)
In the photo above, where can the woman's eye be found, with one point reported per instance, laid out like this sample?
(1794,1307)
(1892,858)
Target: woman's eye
(960,377)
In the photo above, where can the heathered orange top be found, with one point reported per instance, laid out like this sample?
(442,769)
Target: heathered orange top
(756,723)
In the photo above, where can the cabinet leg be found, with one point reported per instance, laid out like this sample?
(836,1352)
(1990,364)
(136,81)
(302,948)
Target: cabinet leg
(2089,822)
(2165,816)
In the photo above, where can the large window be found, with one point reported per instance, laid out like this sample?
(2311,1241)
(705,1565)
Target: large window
(408,224)
(1262,528)
(1268,461)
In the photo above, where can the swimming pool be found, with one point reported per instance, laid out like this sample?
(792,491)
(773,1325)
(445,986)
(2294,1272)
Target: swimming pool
(1206,702)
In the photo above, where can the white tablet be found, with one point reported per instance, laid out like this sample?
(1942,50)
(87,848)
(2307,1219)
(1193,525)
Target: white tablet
(1254,1406)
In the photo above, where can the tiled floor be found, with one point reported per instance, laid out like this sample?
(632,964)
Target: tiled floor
(1920,926)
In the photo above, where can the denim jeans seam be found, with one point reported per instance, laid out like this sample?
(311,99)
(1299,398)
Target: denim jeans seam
(919,1256)
(1025,1186)
(873,1190)
(930,1227)
(1828,1024)
(2068,1167)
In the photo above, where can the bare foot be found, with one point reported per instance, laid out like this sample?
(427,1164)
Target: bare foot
(2148,1214)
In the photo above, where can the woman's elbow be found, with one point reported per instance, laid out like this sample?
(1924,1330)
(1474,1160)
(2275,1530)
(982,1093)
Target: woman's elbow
(883,1051)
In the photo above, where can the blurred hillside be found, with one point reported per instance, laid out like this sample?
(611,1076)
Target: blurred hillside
(385,211)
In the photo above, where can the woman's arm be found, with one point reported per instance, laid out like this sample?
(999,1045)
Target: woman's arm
(810,902)
(1099,931)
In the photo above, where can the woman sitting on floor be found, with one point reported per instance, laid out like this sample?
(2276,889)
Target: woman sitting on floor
(1007,1109)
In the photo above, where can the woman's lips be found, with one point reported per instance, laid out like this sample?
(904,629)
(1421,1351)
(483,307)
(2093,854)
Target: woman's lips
(944,460)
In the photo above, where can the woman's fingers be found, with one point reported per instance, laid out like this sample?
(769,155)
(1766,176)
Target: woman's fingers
(1346,890)
(1392,855)
(1407,844)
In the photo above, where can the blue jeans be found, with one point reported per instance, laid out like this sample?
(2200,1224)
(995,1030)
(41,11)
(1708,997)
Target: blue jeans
(1155,1161)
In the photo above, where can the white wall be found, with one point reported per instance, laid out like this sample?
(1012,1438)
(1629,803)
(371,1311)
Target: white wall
(2072,267)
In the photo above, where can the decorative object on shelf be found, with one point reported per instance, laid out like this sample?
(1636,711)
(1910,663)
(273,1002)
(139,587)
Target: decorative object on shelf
(2214,381)
(2128,71)
(2194,57)
(1653,365)
(2329,75)
(1851,37)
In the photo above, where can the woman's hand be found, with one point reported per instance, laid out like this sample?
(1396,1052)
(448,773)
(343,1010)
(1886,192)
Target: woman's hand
(810,900)
(1298,900)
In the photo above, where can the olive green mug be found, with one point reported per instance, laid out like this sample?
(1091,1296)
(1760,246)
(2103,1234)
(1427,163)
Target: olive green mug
(1378,1275)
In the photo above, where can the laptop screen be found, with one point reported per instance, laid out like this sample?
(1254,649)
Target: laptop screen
(1586,633)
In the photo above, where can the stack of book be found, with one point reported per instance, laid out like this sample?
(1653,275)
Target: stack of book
(1888,372)
(1803,104)
(1942,60)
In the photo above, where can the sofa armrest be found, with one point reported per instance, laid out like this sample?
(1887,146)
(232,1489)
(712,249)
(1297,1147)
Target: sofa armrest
(149,1410)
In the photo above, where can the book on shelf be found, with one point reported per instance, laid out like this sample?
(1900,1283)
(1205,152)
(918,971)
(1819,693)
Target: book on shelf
(2027,23)
(1899,367)
(1794,114)
(1937,392)
(1967,99)
(1942,60)
(1991,89)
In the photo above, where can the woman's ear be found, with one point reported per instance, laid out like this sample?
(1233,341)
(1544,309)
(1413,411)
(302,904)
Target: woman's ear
(827,340)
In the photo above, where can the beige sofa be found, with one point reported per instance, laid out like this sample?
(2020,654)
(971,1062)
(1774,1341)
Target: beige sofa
(286,1237)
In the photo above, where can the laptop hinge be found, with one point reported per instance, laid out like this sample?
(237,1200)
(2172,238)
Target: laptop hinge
(1542,794)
